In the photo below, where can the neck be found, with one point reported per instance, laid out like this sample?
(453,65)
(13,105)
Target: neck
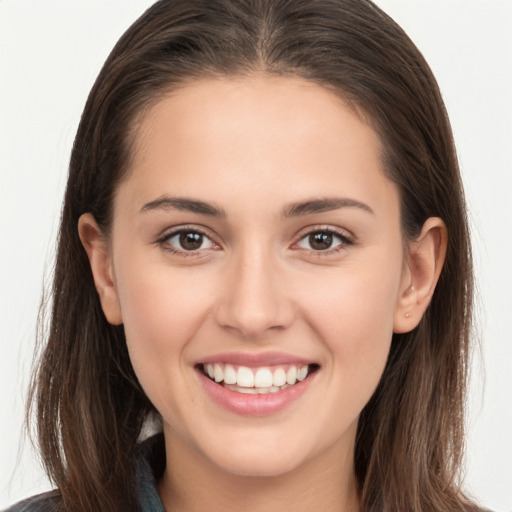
(192,484)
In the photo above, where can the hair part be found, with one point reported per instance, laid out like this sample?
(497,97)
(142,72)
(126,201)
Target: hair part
(89,404)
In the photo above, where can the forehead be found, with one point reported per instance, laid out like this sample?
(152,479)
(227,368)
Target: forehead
(265,102)
(258,133)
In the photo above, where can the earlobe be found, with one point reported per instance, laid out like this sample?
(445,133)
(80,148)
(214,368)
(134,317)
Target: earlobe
(425,261)
(98,252)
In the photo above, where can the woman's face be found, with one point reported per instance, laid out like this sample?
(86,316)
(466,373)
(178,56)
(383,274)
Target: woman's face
(256,238)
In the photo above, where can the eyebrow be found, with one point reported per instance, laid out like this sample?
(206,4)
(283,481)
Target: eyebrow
(297,209)
(183,204)
(323,205)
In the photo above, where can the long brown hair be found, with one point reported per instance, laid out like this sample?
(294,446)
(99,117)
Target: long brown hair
(89,405)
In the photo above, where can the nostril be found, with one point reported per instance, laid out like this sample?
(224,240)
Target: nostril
(253,303)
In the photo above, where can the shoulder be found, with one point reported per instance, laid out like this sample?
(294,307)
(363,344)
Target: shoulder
(46,502)
(150,463)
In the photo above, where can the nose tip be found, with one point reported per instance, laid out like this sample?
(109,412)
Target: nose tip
(251,324)
(254,302)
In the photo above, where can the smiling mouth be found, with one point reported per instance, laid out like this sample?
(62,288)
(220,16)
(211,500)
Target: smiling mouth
(261,380)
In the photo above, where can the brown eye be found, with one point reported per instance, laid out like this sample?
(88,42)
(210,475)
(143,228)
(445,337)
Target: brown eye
(188,241)
(191,241)
(325,240)
(320,241)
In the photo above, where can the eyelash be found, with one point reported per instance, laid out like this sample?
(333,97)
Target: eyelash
(344,241)
(164,242)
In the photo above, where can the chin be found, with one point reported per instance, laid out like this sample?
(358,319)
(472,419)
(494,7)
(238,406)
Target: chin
(257,460)
(258,467)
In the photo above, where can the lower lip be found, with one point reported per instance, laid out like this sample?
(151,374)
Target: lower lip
(257,404)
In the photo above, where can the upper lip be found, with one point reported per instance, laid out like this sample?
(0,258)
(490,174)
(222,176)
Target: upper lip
(255,360)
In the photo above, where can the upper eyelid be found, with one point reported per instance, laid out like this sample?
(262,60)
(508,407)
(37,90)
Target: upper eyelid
(346,238)
(164,242)
(218,240)
(195,228)
(342,232)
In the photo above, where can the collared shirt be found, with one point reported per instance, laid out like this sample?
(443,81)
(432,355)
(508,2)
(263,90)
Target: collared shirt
(150,466)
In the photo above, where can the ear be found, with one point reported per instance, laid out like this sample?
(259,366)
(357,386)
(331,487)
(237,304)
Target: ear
(98,251)
(424,263)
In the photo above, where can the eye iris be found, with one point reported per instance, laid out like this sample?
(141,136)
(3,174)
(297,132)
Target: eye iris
(321,241)
(191,241)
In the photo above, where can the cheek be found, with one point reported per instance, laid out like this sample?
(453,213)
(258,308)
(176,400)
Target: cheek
(355,305)
(161,314)
(353,316)
(358,333)
(159,303)
(357,328)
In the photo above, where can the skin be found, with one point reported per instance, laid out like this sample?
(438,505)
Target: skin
(252,147)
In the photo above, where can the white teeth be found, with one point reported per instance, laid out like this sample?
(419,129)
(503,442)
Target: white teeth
(263,378)
(245,377)
(218,373)
(247,391)
(256,391)
(279,377)
(302,373)
(291,375)
(229,375)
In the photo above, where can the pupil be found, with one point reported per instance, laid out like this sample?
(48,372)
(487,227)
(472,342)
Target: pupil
(320,241)
(191,241)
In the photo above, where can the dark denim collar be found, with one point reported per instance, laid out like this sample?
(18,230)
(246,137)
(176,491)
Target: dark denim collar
(150,467)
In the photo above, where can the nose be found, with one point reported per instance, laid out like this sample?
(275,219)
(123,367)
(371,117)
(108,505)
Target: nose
(255,298)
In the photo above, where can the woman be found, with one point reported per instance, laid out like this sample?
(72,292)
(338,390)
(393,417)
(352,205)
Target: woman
(263,245)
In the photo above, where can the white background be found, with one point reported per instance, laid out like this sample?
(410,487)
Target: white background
(50,54)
